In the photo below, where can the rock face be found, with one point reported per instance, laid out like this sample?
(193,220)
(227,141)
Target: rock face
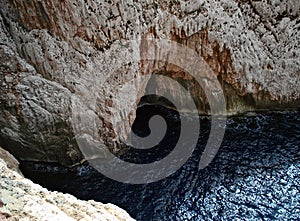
(21,199)
(55,52)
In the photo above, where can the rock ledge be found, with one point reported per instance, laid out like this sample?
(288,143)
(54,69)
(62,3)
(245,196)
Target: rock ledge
(21,199)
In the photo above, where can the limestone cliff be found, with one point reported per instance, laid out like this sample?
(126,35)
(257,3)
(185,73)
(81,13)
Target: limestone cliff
(55,51)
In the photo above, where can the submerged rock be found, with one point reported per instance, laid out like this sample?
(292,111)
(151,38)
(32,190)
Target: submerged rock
(21,199)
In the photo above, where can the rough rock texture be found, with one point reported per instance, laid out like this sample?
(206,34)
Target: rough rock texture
(21,199)
(54,51)
(10,161)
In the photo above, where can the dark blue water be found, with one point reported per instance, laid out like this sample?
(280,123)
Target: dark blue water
(255,175)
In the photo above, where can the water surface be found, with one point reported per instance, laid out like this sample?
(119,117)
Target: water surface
(255,175)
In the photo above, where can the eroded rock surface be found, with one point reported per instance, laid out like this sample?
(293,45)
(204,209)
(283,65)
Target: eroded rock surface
(53,53)
(21,199)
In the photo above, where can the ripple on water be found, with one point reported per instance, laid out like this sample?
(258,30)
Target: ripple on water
(255,176)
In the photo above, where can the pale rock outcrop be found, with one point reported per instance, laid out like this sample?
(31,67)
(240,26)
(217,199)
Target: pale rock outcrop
(21,199)
(53,52)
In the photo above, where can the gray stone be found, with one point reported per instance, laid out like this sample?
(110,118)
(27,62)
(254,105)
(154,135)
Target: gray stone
(59,51)
(9,79)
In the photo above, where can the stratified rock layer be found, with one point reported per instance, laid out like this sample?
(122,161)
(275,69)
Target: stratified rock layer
(53,53)
(21,199)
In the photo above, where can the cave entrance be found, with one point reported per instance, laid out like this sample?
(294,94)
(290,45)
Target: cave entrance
(180,87)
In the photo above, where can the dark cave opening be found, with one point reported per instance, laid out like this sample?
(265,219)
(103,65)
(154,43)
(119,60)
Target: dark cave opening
(148,108)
